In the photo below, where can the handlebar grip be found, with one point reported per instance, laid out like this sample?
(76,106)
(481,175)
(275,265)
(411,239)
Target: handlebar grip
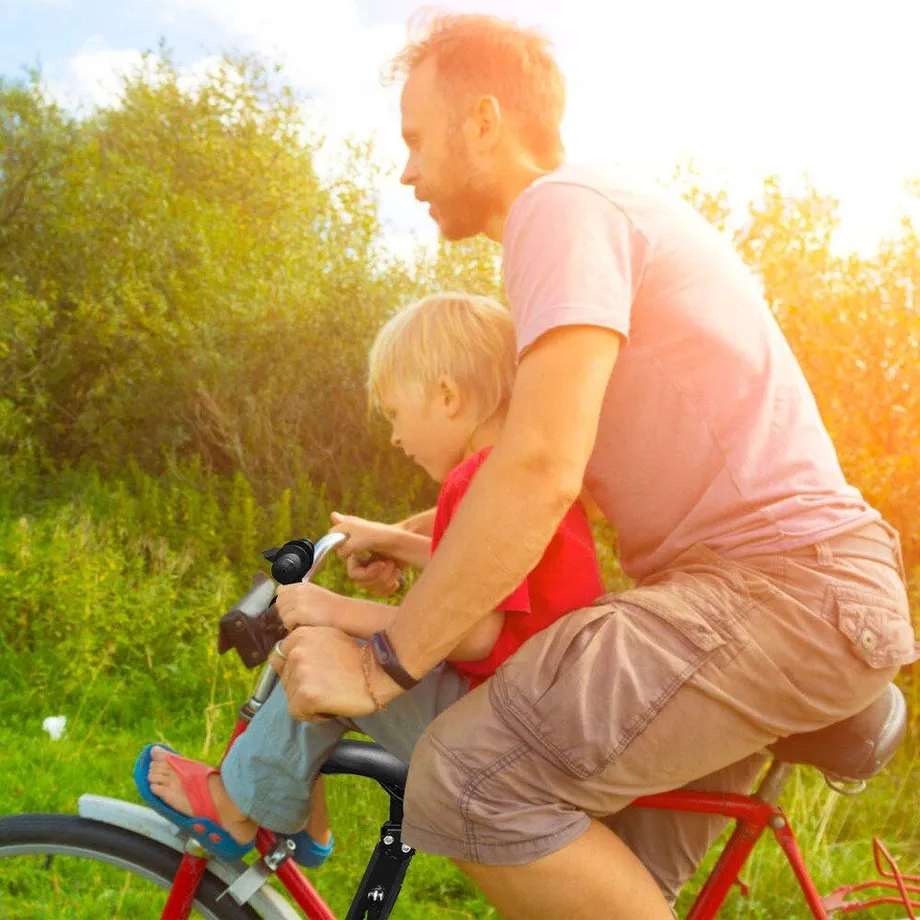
(291,562)
(286,568)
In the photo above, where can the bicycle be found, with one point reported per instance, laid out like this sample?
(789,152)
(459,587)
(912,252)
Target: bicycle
(139,841)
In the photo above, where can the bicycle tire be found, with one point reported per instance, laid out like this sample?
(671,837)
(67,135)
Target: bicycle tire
(52,835)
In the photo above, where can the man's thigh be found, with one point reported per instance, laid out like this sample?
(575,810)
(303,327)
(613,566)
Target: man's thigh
(567,730)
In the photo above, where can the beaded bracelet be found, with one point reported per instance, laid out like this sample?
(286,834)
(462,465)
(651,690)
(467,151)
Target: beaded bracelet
(366,667)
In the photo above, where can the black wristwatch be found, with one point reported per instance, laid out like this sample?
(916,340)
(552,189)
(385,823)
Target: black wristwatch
(386,658)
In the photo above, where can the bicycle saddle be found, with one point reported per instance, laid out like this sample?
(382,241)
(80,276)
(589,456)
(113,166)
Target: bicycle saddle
(364,758)
(856,748)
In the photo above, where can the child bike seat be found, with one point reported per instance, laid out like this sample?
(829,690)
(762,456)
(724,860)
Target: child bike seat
(364,758)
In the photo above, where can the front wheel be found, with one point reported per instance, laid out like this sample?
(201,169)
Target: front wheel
(64,866)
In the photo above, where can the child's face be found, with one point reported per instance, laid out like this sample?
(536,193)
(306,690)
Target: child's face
(434,433)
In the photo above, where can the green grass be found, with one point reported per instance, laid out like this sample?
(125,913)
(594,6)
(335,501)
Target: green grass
(40,775)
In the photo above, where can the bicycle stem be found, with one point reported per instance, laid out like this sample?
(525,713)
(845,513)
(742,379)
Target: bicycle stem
(269,676)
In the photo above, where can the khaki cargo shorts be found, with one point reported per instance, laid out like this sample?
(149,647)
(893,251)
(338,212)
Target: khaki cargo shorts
(655,687)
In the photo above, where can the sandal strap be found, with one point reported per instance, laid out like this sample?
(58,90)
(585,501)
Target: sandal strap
(193,777)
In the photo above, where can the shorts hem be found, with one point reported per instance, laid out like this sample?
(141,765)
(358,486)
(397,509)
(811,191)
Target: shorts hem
(245,797)
(511,853)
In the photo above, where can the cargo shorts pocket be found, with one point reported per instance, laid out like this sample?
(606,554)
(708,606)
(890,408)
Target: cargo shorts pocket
(879,634)
(584,698)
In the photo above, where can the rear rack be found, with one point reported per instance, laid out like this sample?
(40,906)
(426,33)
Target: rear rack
(891,879)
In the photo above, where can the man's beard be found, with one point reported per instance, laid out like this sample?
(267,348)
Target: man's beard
(468,200)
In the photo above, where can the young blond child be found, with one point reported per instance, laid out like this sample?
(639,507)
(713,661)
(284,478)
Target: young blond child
(441,371)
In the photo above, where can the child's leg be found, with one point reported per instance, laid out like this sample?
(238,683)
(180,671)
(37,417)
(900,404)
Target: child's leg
(409,714)
(267,776)
(317,825)
(272,767)
(397,730)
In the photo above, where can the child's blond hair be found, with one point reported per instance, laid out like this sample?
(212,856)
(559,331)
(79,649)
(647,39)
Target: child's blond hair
(465,337)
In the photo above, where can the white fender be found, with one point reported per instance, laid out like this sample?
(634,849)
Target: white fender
(267,902)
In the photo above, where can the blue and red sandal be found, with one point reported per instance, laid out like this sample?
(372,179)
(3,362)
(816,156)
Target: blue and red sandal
(204,825)
(310,853)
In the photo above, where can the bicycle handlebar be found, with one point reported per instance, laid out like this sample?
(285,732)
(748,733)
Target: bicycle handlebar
(253,626)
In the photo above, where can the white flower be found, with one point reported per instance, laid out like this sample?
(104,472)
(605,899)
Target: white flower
(54,725)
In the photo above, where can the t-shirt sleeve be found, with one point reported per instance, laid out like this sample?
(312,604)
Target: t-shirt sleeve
(571,257)
(453,490)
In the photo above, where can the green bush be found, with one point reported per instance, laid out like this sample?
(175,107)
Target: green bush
(125,578)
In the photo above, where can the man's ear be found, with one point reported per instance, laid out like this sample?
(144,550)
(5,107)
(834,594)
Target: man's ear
(450,396)
(484,123)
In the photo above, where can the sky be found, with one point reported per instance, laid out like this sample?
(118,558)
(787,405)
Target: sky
(828,89)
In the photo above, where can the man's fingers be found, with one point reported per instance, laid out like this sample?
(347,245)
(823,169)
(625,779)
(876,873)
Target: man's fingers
(277,658)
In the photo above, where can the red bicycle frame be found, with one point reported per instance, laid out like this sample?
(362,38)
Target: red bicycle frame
(753,814)
(380,885)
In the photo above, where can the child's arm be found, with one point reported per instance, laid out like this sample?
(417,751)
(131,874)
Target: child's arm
(387,539)
(363,618)
(480,640)
(404,546)
(309,605)
(421,523)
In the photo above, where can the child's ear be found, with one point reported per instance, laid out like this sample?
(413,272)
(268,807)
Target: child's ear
(449,394)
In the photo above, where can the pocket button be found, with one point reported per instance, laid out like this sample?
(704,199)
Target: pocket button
(868,639)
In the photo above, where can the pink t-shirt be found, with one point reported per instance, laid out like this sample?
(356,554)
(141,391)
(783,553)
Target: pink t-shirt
(709,432)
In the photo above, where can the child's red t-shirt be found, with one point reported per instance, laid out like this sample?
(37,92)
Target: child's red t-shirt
(566,578)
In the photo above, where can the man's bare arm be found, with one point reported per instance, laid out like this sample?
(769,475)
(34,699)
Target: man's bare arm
(518,498)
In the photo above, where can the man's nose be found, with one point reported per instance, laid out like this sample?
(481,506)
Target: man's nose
(409,174)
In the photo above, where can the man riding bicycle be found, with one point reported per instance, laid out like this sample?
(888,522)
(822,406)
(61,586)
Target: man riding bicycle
(769,595)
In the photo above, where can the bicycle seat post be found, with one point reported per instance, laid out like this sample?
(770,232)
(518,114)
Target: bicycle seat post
(774,782)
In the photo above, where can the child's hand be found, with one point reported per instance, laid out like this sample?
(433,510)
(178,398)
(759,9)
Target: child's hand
(378,576)
(363,536)
(306,604)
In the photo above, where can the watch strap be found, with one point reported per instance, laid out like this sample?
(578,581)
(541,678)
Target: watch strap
(386,657)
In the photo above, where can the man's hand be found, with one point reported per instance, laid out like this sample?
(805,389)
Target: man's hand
(322,675)
(307,604)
